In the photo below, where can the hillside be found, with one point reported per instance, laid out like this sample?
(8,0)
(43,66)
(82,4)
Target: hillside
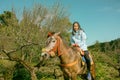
(113,45)
(107,59)
(107,62)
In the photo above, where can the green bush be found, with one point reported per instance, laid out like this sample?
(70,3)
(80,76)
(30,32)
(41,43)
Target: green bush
(21,73)
(45,76)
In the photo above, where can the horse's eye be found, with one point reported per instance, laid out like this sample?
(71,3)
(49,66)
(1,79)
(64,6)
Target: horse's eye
(53,41)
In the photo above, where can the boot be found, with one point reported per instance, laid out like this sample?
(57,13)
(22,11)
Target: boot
(83,61)
(91,60)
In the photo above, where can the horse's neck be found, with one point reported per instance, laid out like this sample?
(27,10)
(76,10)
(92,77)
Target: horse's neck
(63,48)
(65,51)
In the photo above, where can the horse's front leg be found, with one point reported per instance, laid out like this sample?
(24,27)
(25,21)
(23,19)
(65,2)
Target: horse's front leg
(65,76)
(74,76)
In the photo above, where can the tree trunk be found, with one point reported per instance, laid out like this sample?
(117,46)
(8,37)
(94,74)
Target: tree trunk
(33,75)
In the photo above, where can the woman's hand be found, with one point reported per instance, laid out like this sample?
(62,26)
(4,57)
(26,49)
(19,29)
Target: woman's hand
(78,48)
(81,51)
(75,45)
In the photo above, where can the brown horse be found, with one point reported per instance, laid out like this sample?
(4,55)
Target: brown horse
(71,62)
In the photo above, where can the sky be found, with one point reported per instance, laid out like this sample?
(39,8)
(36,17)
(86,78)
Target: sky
(100,19)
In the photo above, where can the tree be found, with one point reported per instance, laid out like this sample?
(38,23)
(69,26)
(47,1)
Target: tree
(97,46)
(8,18)
(23,43)
(107,47)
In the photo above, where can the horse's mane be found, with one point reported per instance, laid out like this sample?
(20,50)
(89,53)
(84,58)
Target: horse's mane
(65,43)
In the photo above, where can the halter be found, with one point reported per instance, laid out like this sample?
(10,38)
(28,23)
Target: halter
(56,47)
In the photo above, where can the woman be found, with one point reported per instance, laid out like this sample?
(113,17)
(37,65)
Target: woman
(78,39)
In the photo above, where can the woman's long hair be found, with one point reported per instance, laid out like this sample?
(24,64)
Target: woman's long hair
(79,28)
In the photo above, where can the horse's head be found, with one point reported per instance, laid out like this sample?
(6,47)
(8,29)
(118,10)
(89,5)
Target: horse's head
(52,43)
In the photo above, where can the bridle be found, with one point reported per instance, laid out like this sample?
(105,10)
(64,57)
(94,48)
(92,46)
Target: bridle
(56,48)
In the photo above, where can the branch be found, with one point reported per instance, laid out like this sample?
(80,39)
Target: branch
(4,58)
(33,42)
(25,64)
(19,48)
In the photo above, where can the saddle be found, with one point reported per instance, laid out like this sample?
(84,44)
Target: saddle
(81,53)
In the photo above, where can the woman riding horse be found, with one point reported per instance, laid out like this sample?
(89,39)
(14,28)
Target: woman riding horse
(71,66)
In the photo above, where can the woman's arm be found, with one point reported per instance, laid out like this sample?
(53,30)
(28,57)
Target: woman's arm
(71,40)
(83,38)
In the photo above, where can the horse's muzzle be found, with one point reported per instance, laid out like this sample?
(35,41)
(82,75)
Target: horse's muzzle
(45,55)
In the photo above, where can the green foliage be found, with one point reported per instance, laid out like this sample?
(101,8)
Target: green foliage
(2,70)
(8,18)
(6,69)
(113,45)
(106,60)
(43,76)
(21,73)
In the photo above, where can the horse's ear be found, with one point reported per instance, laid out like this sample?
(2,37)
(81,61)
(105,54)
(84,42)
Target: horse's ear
(58,33)
(50,34)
